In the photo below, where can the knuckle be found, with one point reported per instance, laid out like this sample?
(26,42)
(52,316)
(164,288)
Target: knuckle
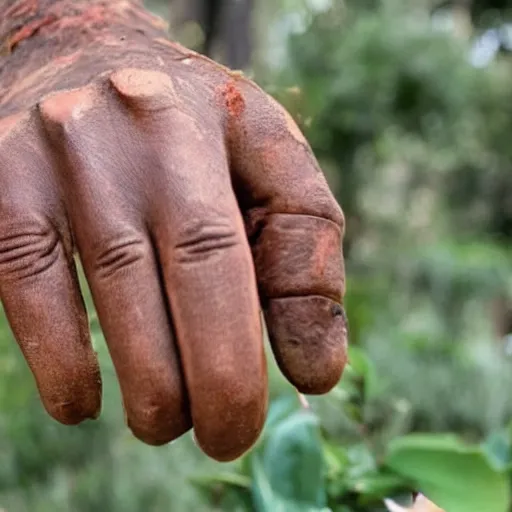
(63,107)
(285,123)
(12,125)
(27,250)
(145,89)
(119,254)
(320,202)
(338,216)
(202,240)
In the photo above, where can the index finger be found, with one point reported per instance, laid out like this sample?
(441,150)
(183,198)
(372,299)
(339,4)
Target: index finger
(295,227)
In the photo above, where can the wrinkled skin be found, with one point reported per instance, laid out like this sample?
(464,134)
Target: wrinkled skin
(192,200)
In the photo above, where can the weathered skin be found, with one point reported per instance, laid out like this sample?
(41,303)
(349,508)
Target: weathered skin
(192,200)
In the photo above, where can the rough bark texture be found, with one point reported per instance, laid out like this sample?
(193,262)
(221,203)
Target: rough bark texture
(226,25)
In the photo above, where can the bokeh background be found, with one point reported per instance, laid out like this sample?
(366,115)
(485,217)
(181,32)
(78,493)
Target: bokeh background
(408,106)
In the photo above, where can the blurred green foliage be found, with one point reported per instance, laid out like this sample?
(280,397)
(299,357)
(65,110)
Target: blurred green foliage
(299,466)
(415,142)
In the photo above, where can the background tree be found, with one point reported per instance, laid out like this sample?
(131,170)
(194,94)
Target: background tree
(217,28)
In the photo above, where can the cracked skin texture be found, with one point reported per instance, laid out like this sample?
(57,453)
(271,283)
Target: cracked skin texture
(193,202)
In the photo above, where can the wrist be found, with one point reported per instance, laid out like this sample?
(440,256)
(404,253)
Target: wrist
(22,21)
(38,38)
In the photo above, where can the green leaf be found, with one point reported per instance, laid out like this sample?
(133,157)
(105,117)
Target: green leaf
(336,458)
(281,409)
(362,365)
(291,469)
(457,477)
(361,461)
(378,485)
(266,499)
(230,479)
(358,360)
(498,450)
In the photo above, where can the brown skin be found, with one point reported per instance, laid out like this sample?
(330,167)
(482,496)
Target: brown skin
(192,200)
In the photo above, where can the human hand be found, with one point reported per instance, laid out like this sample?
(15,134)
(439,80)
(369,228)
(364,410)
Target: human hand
(192,200)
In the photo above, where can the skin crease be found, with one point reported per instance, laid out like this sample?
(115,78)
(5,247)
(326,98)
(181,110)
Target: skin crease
(193,202)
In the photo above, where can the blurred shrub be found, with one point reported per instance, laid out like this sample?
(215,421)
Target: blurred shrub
(414,138)
(298,466)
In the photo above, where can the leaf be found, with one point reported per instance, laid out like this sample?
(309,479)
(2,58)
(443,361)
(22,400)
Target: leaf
(363,366)
(455,476)
(336,458)
(361,461)
(378,485)
(290,470)
(498,450)
(356,470)
(358,360)
(264,496)
(336,462)
(280,409)
(230,479)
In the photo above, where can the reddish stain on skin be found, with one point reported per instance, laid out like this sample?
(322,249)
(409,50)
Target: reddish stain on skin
(322,255)
(233,99)
(29,30)
(93,16)
(90,17)
(66,60)
(22,8)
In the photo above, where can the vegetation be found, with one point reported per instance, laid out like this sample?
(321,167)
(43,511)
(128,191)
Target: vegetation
(415,140)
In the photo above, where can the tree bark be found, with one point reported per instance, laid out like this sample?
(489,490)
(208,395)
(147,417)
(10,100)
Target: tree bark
(226,27)
(39,39)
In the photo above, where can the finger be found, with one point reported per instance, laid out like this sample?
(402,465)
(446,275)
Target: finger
(107,205)
(38,282)
(295,227)
(211,285)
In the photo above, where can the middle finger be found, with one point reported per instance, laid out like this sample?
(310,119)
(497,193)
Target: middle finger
(106,210)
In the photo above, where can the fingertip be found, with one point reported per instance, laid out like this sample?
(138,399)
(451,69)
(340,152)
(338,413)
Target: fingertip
(230,425)
(159,423)
(74,409)
(236,443)
(309,339)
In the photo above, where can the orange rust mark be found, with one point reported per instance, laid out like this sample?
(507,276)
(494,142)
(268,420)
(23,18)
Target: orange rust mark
(29,30)
(323,253)
(95,14)
(233,99)
(66,60)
